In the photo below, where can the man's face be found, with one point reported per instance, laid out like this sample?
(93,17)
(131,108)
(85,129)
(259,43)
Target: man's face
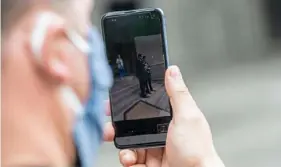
(44,61)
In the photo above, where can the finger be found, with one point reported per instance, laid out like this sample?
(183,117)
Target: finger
(141,156)
(140,165)
(154,157)
(164,159)
(132,157)
(180,98)
(108,132)
(107,111)
(127,158)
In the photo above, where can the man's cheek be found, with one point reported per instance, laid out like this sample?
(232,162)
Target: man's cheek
(83,76)
(80,76)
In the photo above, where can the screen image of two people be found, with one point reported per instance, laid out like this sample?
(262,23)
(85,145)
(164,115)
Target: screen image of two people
(138,91)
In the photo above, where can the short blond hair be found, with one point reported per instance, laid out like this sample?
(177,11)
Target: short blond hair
(13,10)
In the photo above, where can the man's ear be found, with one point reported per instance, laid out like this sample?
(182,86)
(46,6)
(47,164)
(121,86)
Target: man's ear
(48,42)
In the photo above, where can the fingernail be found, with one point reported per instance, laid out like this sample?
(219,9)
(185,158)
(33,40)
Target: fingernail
(127,157)
(123,153)
(175,72)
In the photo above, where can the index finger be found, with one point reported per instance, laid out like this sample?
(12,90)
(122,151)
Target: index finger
(109,132)
(130,158)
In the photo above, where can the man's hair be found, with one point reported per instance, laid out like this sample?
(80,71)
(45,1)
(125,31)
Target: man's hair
(14,10)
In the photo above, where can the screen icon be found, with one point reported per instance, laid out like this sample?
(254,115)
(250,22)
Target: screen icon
(162,128)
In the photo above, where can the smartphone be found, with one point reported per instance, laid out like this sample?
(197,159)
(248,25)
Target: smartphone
(136,46)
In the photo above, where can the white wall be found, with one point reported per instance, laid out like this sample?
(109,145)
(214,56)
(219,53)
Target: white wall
(150,46)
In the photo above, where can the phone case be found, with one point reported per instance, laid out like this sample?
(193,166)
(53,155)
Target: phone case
(166,59)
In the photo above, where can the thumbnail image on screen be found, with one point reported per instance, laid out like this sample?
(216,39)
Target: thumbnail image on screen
(136,56)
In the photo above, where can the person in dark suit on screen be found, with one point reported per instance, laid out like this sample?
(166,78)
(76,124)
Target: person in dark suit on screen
(147,68)
(141,75)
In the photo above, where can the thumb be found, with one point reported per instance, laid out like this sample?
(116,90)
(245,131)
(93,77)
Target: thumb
(181,100)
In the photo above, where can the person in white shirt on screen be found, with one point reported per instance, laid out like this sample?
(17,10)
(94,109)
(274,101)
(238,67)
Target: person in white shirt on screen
(120,66)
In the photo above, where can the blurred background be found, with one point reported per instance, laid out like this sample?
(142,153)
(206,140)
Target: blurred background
(229,52)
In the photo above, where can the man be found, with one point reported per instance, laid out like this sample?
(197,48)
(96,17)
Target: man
(141,75)
(52,73)
(120,66)
(52,105)
(147,68)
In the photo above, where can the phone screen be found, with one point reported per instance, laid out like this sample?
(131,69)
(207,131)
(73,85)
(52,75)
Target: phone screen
(136,50)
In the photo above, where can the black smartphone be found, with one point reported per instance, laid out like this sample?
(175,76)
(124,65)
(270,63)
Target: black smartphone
(136,46)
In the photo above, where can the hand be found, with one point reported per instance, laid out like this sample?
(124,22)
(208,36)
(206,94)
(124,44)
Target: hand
(189,139)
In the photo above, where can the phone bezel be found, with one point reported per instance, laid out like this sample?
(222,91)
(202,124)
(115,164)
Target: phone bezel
(166,59)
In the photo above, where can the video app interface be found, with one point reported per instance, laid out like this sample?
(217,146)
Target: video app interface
(136,56)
